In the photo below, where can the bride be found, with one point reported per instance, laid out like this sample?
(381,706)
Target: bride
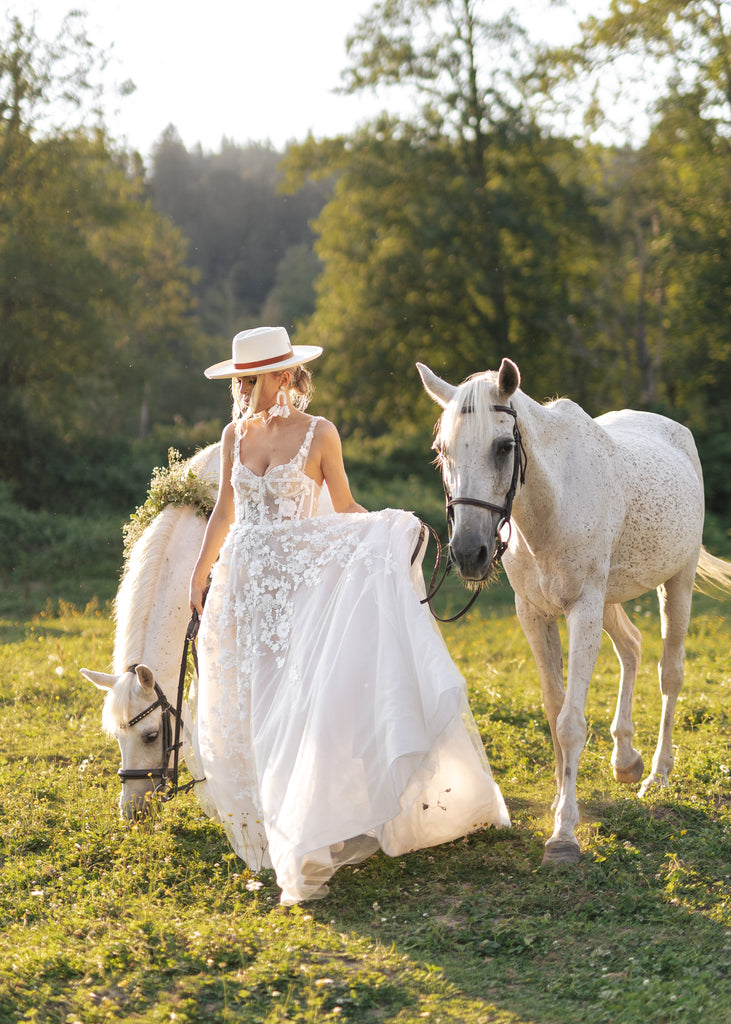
(331,720)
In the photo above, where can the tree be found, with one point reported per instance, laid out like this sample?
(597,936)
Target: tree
(49,86)
(667,211)
(240,226)
(407,277)
(649,51)
(452,237)
(292,299)
(88,270)
(465,71)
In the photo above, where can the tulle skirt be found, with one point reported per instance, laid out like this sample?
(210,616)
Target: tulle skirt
(331,720)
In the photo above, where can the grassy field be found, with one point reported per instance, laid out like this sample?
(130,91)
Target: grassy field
(159,921)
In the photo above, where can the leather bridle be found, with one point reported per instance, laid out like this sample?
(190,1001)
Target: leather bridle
(520,461)
(505,510)
(167,786)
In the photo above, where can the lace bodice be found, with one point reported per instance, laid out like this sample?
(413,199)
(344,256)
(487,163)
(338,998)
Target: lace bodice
(283,493)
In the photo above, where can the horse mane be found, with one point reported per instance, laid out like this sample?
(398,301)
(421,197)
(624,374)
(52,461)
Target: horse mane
(473,398)
(137,590)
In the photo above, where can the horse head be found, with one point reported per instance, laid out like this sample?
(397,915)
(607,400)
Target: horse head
(135,715)
(481,457)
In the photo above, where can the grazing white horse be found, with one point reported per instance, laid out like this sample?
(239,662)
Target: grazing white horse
(608,509)
(151,613)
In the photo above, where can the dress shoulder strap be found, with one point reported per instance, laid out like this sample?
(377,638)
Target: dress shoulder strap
(238,434)
(307,443)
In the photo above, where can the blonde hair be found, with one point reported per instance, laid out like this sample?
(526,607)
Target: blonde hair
(300,390)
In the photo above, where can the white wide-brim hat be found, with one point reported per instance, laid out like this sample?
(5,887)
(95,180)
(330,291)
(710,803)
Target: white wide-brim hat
(262,350)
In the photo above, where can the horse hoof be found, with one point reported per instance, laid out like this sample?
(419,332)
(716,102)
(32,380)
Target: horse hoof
(632,773)
(653,781)
(561,851)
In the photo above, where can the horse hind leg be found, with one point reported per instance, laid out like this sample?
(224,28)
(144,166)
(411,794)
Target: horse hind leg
(627,762)
(675,602)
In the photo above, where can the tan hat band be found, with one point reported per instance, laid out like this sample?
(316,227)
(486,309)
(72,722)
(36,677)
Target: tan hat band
(264,362)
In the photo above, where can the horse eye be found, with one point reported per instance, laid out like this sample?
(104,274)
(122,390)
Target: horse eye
(150,737)
(504,448)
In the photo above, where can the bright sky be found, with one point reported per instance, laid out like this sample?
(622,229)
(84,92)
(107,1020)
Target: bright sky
(247,70)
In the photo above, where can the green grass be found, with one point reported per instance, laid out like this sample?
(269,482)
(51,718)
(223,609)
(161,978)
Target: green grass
(159,921)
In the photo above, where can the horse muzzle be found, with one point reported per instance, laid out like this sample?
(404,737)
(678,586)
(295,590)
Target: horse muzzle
(140,790)
(472,554)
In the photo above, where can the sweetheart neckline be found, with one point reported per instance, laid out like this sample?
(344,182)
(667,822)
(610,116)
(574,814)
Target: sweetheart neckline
(279,465)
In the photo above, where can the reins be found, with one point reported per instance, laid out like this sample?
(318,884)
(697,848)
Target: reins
(434,586)
(168,786)
(505,510)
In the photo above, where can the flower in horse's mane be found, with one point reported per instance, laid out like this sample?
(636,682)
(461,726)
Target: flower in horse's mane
(175,485)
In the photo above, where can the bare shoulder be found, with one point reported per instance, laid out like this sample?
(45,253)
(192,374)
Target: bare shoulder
(228,438)
(327,449)
(326,432)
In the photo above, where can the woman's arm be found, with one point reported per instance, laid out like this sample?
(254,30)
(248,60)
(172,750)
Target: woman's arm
(218,524)
(333,468)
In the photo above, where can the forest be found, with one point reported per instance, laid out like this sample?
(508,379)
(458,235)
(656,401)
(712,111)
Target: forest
(478,228)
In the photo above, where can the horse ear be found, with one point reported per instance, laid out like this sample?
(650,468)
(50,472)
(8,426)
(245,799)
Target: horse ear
(435,387)
(145,677)
(508,378)
(101,680)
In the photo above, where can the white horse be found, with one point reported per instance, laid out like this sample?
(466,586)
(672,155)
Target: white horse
(151,613)
(602,511)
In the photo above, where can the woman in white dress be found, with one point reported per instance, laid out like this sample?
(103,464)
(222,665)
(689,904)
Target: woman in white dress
(331,721)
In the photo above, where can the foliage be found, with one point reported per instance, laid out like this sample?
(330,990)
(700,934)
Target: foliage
(428,283)
(663,287)
(473,231)
(176,485)
(466,70)
(680,45)
(249,244)
(81,251)
(103,920)
(88,472)
(46,82)
(395,471)
(31,541)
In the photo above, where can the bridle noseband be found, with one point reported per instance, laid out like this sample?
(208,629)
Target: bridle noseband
(167,787)
(520,461)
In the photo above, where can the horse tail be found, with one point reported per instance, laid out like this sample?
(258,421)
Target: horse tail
(712,573)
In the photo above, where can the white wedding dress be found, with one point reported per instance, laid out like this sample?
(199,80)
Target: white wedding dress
(331,721)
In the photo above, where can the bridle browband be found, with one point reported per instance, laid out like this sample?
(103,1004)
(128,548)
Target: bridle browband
(167,787)
(520,461)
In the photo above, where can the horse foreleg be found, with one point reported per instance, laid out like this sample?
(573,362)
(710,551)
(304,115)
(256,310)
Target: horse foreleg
(675,602)
(584,621)
(545,642)
(627,640)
